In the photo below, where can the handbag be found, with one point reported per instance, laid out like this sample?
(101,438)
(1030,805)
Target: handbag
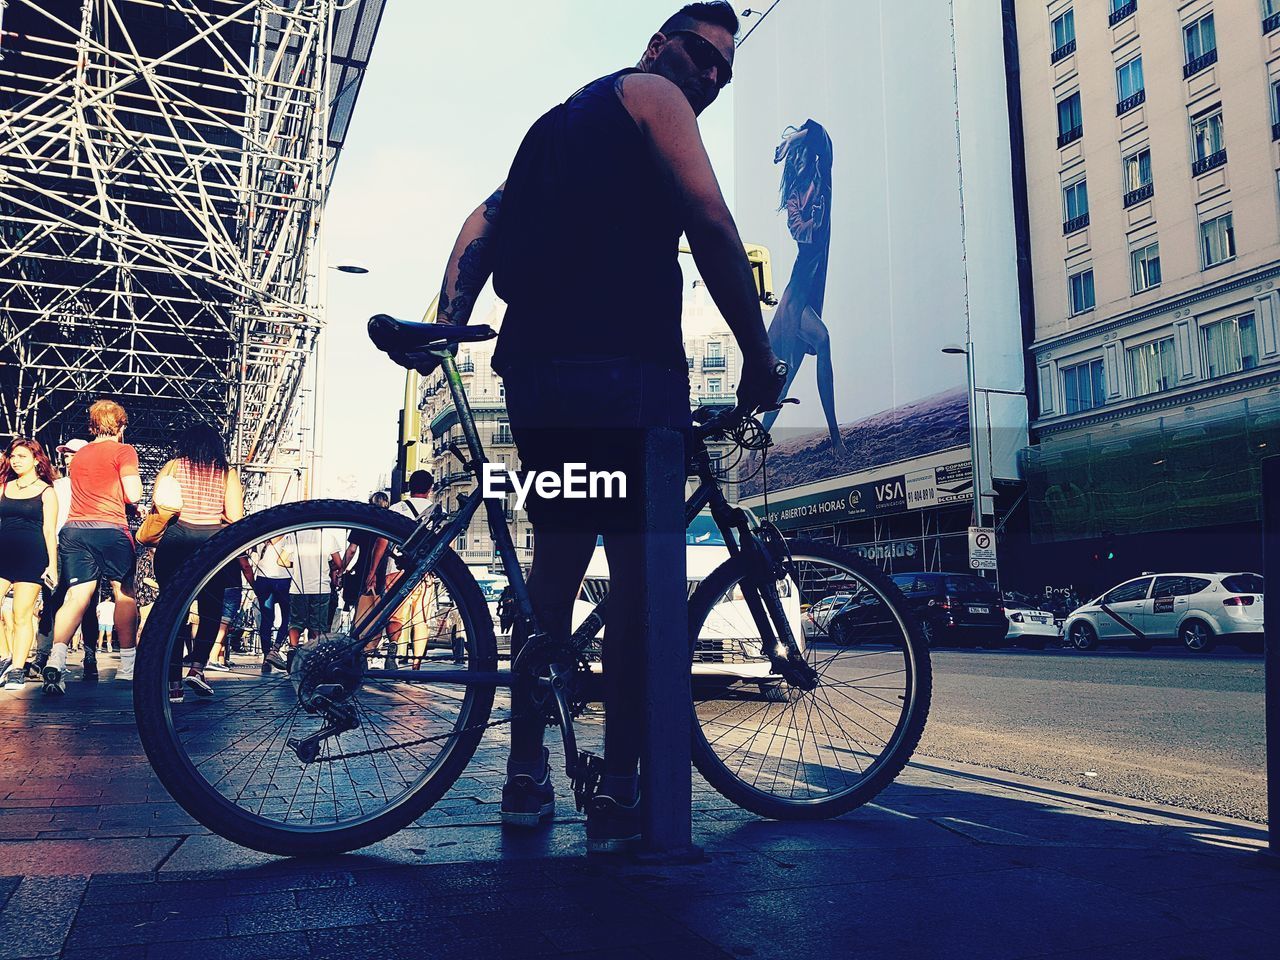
(166,504)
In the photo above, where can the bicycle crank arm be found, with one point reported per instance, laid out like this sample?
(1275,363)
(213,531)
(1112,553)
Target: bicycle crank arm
(559,683)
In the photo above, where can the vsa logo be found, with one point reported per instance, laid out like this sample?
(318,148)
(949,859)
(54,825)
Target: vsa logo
(893,490)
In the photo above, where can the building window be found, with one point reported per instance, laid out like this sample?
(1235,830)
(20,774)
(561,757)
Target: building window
(1130,89)
(1064,36)
(714,348)
(1137,177)
(1145,262)
(1230,346)
(1275,107)
(1120,9)
(1081,288)
(1075,207)
(1152,367)
(1201,45)
(1270,15)
(528,538)
(1083,386)
(1070,121)
(713,386)
(1217,241)
(1209,144)
(1046,389)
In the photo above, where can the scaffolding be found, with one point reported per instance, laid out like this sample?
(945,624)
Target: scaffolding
(164,165)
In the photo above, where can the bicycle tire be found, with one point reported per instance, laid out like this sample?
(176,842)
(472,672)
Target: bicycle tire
(167,756)
(886,767)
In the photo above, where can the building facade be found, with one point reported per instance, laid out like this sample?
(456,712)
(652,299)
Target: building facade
(1152,158)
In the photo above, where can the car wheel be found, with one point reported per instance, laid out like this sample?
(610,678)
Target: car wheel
(841,635)
(927,631)
(1197,636)
(1083,636)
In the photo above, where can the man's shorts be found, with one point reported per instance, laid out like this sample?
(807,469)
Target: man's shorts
(594,413)
(231,597)
(87,554)
(310,611)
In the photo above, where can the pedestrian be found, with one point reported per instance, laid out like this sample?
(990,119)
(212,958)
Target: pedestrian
(51,598)
(106,624)
(361,575)
(232,616)
(272,580)
(205,493)
(95,544)
(317,561)
(411,615)
(28,541)
(607,182)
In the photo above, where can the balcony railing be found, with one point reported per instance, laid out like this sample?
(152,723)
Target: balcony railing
(1064,51)
(1211,162)
(1128,10)
(716,400)
(690,359)
(458,476)
(503,437)
(1072,135)
(713,363)
(1271,23)
(1199,63)
(1128,103)
(1075,223)
(1144,192)
(466,366)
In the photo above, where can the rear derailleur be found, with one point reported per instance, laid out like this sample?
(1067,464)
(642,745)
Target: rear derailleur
(326,673)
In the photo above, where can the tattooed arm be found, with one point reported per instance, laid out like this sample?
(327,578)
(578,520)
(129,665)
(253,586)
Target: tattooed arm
(470,263)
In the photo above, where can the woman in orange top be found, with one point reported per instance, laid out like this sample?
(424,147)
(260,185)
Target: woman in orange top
(95,543)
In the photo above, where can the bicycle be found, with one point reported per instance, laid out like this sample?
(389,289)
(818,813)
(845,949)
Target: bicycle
(336,754)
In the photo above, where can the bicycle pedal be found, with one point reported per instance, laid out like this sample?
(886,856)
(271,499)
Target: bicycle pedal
(586,778)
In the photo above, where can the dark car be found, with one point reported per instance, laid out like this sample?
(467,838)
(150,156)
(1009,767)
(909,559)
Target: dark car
(955,607)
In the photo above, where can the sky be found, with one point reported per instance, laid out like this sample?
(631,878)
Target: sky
(449,93)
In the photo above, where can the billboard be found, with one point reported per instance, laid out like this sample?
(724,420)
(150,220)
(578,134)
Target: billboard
(856,126)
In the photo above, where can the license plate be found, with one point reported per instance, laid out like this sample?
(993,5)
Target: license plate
(979,609)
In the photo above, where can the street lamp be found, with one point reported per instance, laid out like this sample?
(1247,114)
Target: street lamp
(953,349)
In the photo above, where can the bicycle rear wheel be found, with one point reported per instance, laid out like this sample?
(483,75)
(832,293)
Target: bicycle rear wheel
(227,758)
(790,754)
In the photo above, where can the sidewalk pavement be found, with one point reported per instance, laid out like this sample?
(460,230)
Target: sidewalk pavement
(97,862)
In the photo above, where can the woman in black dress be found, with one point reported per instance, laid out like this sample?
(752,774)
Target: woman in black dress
(797,328)
(28,544)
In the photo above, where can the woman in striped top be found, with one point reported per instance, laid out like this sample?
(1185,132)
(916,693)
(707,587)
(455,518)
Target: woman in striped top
(212,497)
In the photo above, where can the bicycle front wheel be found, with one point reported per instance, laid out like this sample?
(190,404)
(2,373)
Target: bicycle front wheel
(793,754)
(232,758)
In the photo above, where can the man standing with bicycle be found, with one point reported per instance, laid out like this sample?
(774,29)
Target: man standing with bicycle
(602,188)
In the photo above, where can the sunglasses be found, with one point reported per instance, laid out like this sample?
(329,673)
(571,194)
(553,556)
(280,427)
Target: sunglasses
(704,55)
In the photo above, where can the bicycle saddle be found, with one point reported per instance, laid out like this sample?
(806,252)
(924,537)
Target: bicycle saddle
(415,344)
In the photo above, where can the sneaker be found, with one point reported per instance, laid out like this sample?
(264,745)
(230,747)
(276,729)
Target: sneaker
(90,674)
(5,664)
(196,681)
(53,681)
(34,669)
(612,827)
(273,659)
(125,672)
(527,802)
(175,691)
(15,681)
(218,666)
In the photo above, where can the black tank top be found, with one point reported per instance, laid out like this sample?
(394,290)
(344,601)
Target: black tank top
(25,515)
(587,244)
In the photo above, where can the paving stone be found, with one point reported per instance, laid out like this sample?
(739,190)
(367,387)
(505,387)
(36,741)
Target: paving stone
(276,946)
(38,916)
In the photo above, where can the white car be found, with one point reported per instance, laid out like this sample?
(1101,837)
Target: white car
(728,645)
(1028,626)
(1196,609)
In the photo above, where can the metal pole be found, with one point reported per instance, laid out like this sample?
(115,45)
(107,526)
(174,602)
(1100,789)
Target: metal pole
(1271,641)
(665,761)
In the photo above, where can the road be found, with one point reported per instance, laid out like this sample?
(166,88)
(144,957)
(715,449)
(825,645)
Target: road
(1164,727)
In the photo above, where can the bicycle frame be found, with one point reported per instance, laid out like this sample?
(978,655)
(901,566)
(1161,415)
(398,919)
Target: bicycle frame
(429,540)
